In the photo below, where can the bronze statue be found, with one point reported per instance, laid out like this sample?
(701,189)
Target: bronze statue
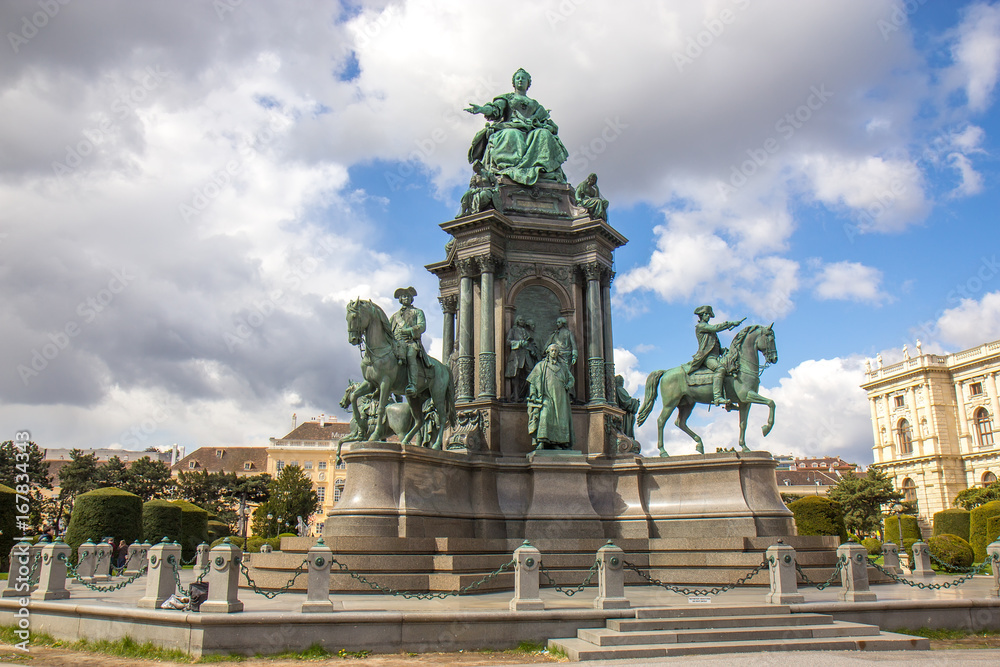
(482,194)
(709,350)
(408,323)
(550,419)
(680,390)
(627,403)
(520,360)
(589,197)
(522,142)
(566,341)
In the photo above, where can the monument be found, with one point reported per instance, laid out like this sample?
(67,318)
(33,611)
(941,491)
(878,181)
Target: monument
(534,437)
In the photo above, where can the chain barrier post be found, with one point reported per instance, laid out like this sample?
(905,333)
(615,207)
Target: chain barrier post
(86,561)
(201,556)
(526,566)
(320,560)
(993,552)
(52,580)
(134,561)
(784,585)
(611,578)
(20,555)
(102,562)
(921,560)
(854,573)
(224,579)
(160,582)
(890,558)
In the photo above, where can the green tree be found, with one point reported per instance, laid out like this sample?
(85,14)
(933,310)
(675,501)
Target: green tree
(149,479)
(972,498)
(112,474)
(291,496)
(204,489)
(862,499)
(76,477)
(15,463)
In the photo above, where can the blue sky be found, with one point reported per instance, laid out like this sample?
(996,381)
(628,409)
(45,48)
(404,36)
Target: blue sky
(194,191)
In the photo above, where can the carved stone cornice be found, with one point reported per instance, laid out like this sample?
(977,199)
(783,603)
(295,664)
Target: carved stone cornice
(467,267)
(488,263)
(592,270)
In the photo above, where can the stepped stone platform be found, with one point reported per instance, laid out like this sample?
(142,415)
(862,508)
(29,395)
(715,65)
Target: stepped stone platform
(702,630)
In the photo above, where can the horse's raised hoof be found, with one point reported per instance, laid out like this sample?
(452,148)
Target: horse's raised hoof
(765,429)
(700,448)
(664,455)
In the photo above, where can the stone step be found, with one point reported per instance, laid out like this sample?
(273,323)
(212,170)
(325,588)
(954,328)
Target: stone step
(633,625)
(577,649)
(711,610)
(606,637)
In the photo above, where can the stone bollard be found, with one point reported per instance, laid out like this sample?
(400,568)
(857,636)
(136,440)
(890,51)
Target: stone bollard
(784,581)
(611,578)
(201,556)
(320,559)
(526,573)
(266,548)
(921,560)
(161,580)
(102,563)
(86,561)
(134,561)
(854,573)
(22,558)
(52,578)
(993,551)
(223,579)
(890,558)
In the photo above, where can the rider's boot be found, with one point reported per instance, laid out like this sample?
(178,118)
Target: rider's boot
(717,396)
(411,386)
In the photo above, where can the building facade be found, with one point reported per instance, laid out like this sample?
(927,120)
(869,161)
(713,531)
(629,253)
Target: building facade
(933,419)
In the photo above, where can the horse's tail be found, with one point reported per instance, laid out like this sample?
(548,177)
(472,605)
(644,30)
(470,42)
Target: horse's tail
(652,384)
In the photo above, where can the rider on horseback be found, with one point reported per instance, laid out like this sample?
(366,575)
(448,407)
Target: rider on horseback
(408,324)
(710,350)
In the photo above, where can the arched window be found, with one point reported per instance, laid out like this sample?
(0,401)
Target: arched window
(988,478)
(338,489)
(984,427)
(905,435)
(909,490)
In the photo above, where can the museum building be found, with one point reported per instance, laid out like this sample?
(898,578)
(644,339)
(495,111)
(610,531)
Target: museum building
(933,420)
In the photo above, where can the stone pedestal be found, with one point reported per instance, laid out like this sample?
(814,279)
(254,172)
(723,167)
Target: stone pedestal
(102,562)
(611,579)
(784,577)
(320,559)
(527,560)
(52,579)
(201,556)
(854,574)
(160,578)
(135,559)
(890,558)
(921,561)
(560,503)
(86,561)
(993,551)
(25,558)
(223,580)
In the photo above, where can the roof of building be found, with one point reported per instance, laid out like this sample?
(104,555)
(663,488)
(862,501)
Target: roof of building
(104,454)
(805,478)
(315,431)
(224,459)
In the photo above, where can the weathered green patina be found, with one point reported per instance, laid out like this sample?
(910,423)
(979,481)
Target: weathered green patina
(550,419)
(589,197)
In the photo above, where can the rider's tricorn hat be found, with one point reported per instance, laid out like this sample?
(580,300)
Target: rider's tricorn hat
(404,290)
(701,310)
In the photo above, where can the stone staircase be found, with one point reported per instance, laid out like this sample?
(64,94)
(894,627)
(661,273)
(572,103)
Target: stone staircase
(709,629)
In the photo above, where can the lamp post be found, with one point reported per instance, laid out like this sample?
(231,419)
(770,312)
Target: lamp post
(898,509)
(269,517)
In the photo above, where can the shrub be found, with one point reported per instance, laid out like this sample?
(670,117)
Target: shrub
(8,525)
(819,516)
(161,518)
(194,528)
(952,550)
(105,512)
(911,529)
(992,529)
(952,522)
(873,545)
(256,542)
(238,541)
(977,527)
(217,530)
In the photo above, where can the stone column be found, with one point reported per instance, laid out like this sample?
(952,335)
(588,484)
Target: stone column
(466,326)
(991,386)
(921,560)
(320,559)
(526,572)
(781,566)
(223,579)
(993,551)
(449,305)
(487,329)
(160,580)
(611,578)
(609,346)
(595,334)
(963,420)
(890,558)
(52,577)
(854,574)
(86,561)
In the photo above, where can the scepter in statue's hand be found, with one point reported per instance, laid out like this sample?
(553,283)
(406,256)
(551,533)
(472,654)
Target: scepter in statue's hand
(733,325)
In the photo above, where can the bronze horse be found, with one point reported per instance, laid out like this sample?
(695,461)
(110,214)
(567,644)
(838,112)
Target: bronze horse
(740,388)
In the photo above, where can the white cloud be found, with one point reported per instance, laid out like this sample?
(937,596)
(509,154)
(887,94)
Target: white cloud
(971,323)
(972,181)
(977,54)
(850,281)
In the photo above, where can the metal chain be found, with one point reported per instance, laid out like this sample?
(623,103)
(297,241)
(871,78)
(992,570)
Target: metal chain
(100,589)
(34,573)
(682,590)
(191,561)
(829,582)
(949,566)
(177,578)
(936,587)
(270,595)
(375,586)
(573,591)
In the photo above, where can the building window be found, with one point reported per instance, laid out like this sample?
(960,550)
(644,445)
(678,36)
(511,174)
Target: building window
(322,465)
(192,464)
(308,465)
(218,453)
(279,466)
(909,490)
(988,478)
(294,463)
(899,401)
(341,465)
(984,427)
(338,490)
(905,437)
(248,465)
(321,493)
(975,389)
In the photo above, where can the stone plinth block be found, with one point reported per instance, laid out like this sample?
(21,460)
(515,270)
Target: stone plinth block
(223,579)
(854,574)
(52,579)
(993,551)
(611,578)
(161,583)
(86,561)
(201,556)
(890,558)
(784,581)
(527,560)
(921,560)
(320,559)
(102,561)
(560,502)
(25,559)
(135,559)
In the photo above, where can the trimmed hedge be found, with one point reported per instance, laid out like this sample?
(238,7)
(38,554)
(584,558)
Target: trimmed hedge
(977,527)
(105,512)
(952,522)
(218,530)
(238,541)
(8,524)
(816,515)
(161,518)
(951,549)
(873,545)
(194,528)
(255,543)
(992,529)
(890,528)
